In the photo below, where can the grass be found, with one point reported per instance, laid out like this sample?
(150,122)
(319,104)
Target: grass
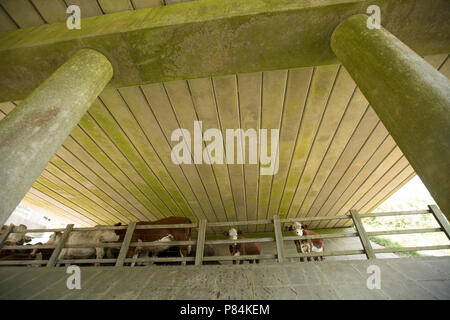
(408,240)
(387,243)
(412,196)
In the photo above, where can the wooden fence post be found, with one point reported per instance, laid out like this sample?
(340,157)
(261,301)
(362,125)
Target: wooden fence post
(125,244)
(362,234)
(278,238)
(440,218)
(54,258)
(5,235)
(199,250)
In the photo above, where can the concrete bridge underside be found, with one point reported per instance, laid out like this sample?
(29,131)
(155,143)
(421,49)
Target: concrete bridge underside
(408,278)
(230,64)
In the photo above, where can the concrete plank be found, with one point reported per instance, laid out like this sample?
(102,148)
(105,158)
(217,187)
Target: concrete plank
(421,271)
(439,289)
(233,293)
(95,288)
(275,293)
(157,293)
(406,290)
(234,278)
(13,283)
(316,292)
(42,281)
(59,289)
(128,286)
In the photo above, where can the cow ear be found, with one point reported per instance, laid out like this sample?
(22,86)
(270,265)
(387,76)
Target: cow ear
(304,226)
(239,232)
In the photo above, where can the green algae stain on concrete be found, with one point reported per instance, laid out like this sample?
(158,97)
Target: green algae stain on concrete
(411,98)
(31,134)
(209,38)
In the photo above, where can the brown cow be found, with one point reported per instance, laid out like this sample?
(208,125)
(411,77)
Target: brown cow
(307,245)
(164,234)
(238,249)
(20,257)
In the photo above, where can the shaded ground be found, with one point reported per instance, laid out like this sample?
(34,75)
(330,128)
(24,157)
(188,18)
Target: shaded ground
(408,278)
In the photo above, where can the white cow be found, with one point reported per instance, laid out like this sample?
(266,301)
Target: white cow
(17,238)
(91,236)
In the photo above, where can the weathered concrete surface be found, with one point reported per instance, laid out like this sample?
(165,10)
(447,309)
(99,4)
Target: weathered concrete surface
(32,133)
(411,98)
(408,278)
(209,38)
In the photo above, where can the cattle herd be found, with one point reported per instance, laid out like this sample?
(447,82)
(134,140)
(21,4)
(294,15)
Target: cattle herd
(162,236)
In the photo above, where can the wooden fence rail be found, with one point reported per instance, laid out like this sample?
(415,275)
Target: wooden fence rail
(278,238)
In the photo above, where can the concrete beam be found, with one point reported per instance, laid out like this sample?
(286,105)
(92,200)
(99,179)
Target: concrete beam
(209,38)
(411,98)
(32,133)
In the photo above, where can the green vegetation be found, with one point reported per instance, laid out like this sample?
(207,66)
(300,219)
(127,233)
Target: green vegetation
(391,244)
(419,221)
(412,196)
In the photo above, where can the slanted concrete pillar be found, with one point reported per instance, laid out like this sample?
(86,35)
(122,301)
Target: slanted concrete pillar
(32,133)
(411,98)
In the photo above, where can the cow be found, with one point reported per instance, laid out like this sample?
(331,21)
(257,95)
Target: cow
(238,249)
(78,237)
(45,254)
(209,251)
(17,238)
(162,235)
(307,245)
(16,256)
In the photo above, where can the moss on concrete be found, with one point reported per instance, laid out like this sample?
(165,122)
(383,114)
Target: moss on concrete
(210,37)
(32,133)
(411,98)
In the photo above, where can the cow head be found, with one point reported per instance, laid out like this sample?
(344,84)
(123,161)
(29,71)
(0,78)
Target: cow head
(18,237)
(55,237)
(35,252)
(108,236)
(297,228)
(233,233)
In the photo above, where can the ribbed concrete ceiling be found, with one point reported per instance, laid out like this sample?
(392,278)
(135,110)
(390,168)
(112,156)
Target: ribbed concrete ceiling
(335,154)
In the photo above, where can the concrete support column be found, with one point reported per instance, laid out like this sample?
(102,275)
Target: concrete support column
(32,133)
(411,98)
